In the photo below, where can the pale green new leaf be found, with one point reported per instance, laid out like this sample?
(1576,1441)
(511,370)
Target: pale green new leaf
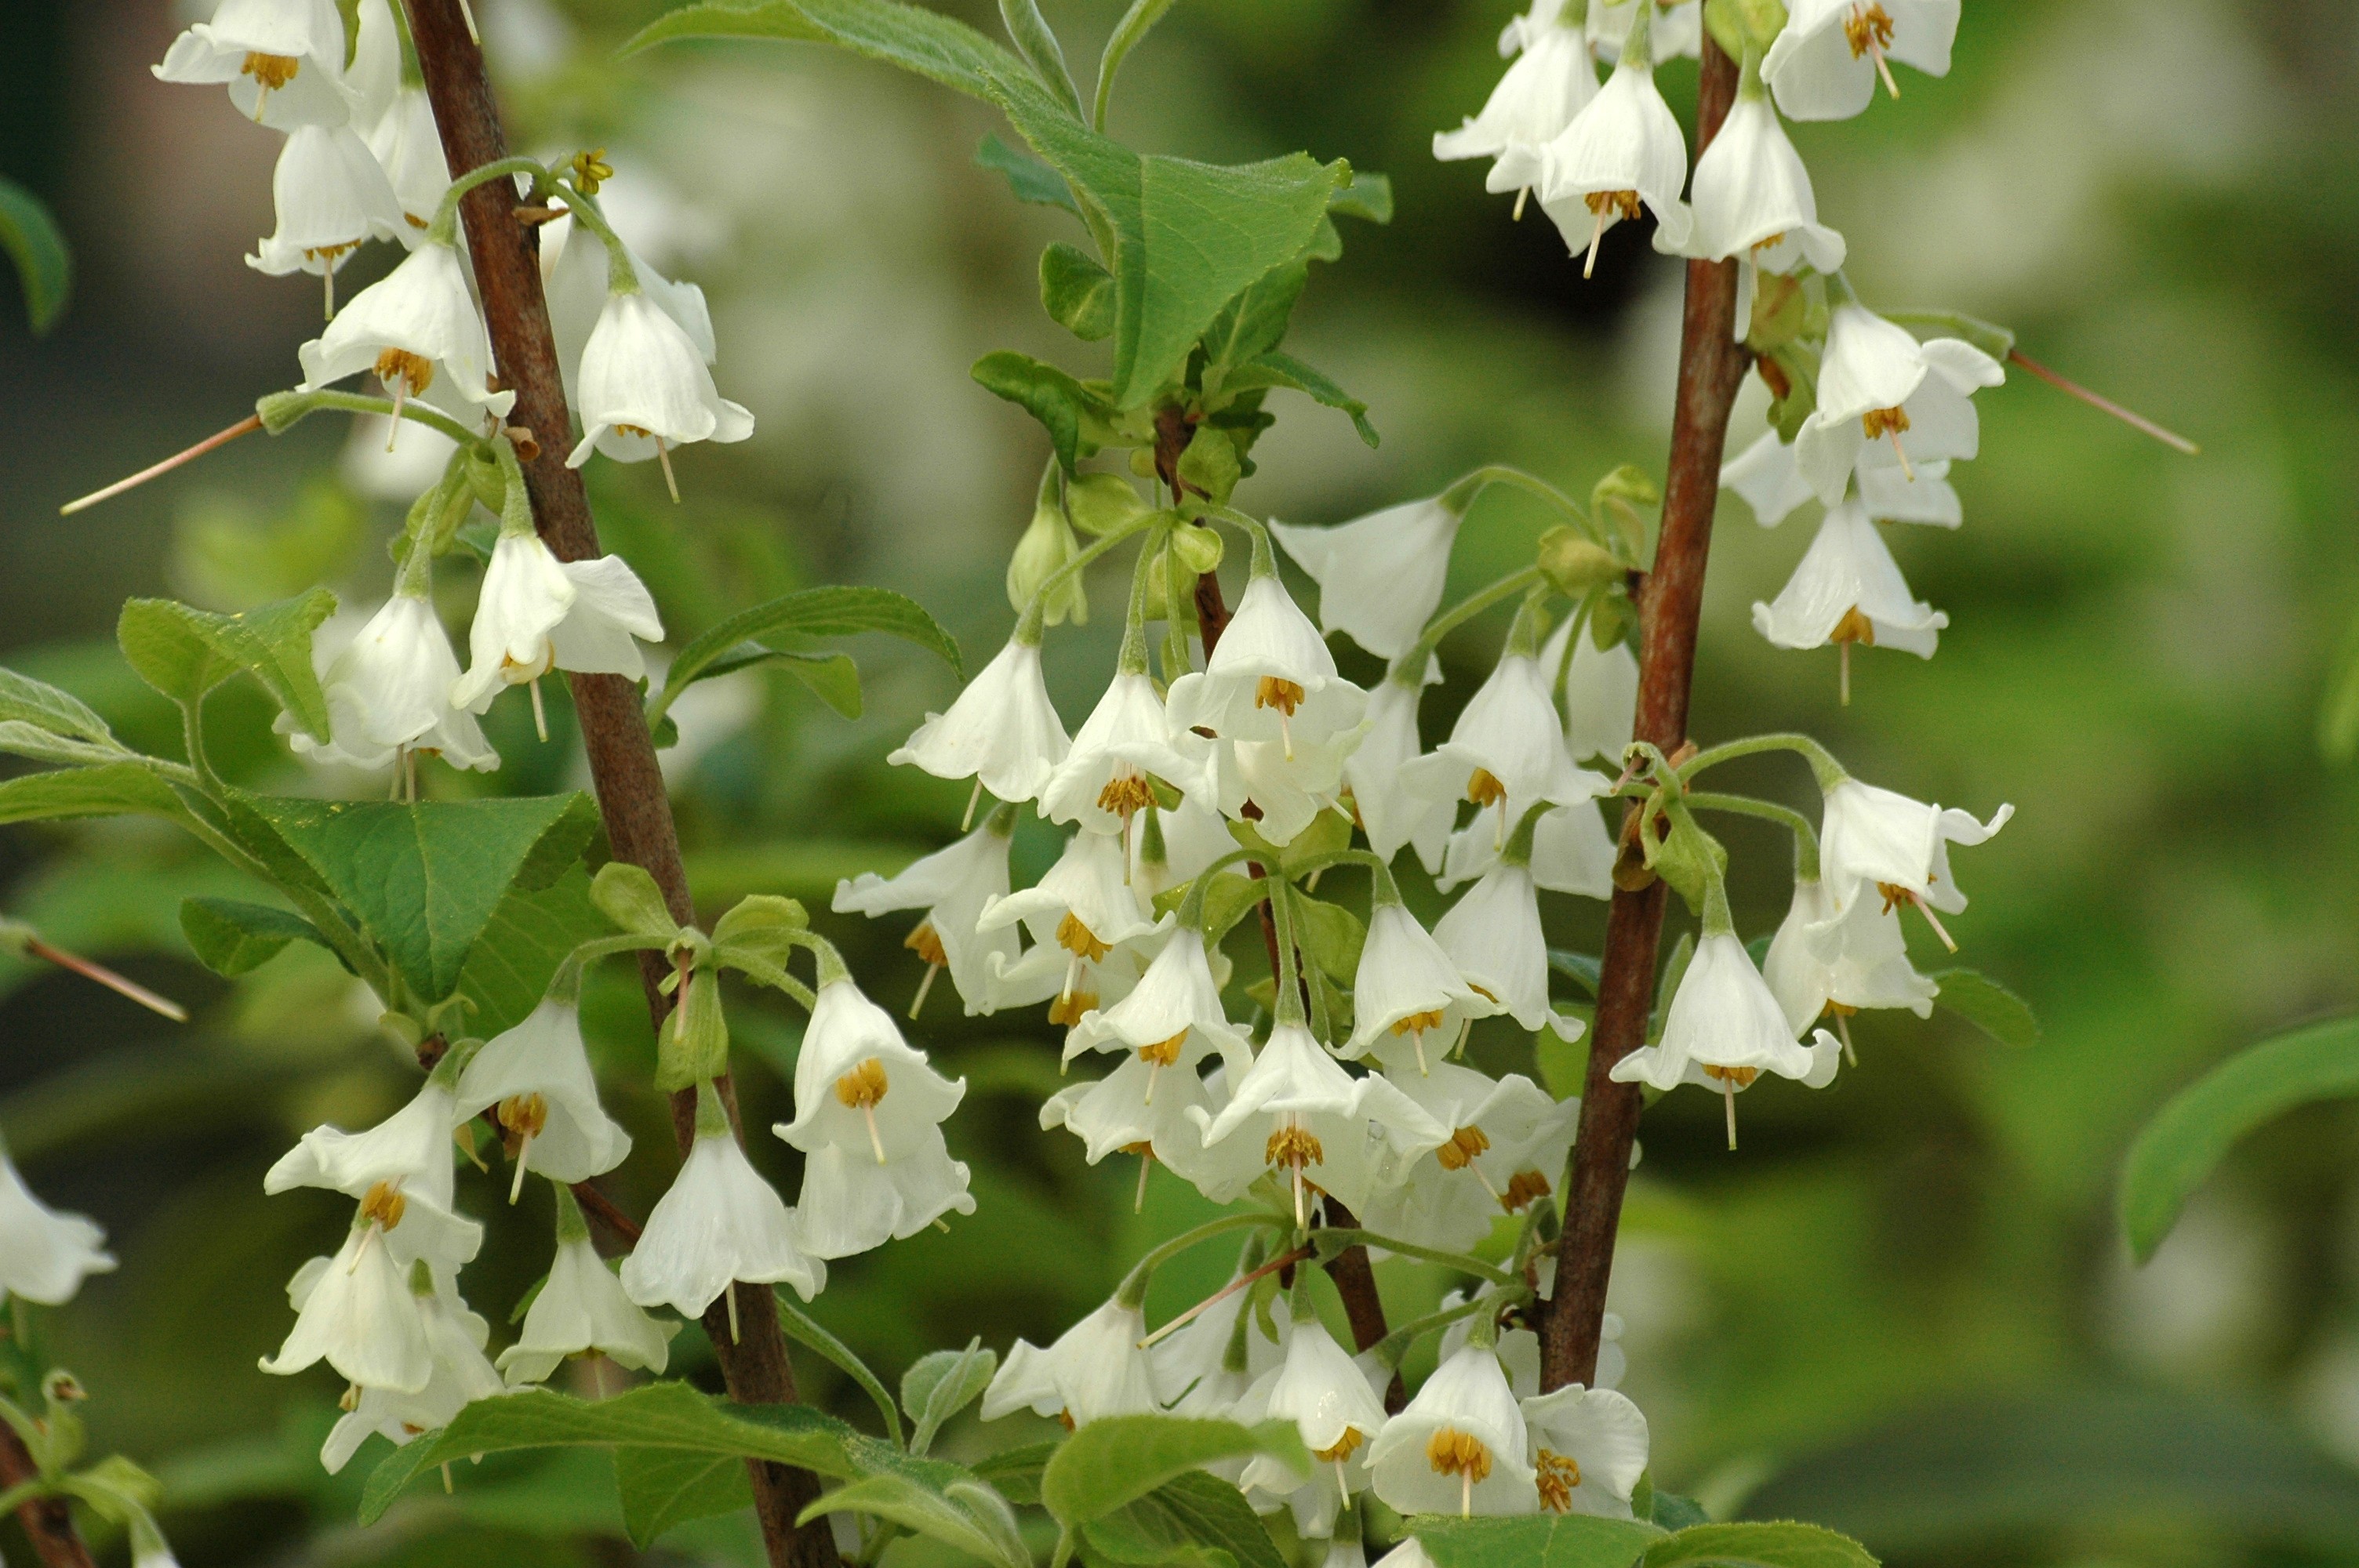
(1782,1544)
(936,47)
(25,700)
(1988,1006)
(1135,24)
(962,1514)
(44,266)
(1028,176)
(1039,45)
(184,651)
(113,789)
(21,738)
(1534,1541)
(1116,1461)
(939,1385)
(1274,369)
(1077,293)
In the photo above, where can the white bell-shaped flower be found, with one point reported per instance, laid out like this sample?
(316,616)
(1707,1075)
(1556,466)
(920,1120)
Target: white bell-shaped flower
(1753,197)
(1824,64)
(1192,836)
(1137,1109)
(1551,78)
(644,389)
(417,329)
(1572,851)
(581,1311)
(388,691)
(355,1311)
(953,886)
(1493,934)
(1873,840)
(534,1079)
(1380,577)
(1725,1027)
(1601,692)
(1288,783)
(1103,783)
(44,1255)
(719,1222)
(1506,751)
(332,197)
(1888,401)
(1316,1124)
(1848,588)
(1459,1447)
(410,1152)
(1217,1356)
(1323,1391)
(1852,959)
(1002,732)
(1589,1448)
(1270,678)
(1507,1139)
(460,1376)
(1408,1001)
(1172,1018)
(1675,30)
(537,614)
(1391,815)
(408,144)
(1085,906)
(1625,149)
(575,276)
(1093,1370)
(1767,476)
(282,61)
(374,77)
(868,1112)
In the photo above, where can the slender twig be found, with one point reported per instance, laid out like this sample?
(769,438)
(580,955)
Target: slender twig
(1283,1260)
(622,755)
(116,983)
(245,427)
(2138,421)
(1711,367)
(47,1521)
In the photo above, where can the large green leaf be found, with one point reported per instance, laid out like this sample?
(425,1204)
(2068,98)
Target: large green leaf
(1534,1541)
(781,625)
(1988,1006)
(1116,1461)
(529,934)
(661,1487)
(232,937)
(1781,1544)
(934,46)
(113,789)
(184,651)
(1030,180)
(805,1330)
(962,1512)
(2200,1123)
(25,700)
(1194,1517)
(426,878)
(1274,369)
(44,266)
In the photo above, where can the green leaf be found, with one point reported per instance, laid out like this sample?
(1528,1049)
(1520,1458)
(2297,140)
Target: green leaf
(2200,1124)
(1673,1511)
(1039,45)
(807,1330)
(916,39)
(939,1385)
(184,651)
(1783,1544)
(530,932)
(833,676)
(763,927)
(1255,322)
(1368,195)
(1995,341)
(1534,1541)
(1192,1517)
(25,700)
(1582,970)
(662,1487)
(627,896)
(1056,399)
(667,1417)
(1116,1461)
(113,789)
(781,623)
(231,938)
(1014,1473)
(1988,1006)
(21,739)
(1331,935)
(2338,715)
(1028,176)
(1129,32)
(1077,293)
(44,266)
(963,1514)
(425,878)
(1274,369)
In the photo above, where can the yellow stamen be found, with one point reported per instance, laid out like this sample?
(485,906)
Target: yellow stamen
(270,72)
(1294,1145)
(1079,940)
(1069,1009)
(1463,1146)
(1523,1187)
(1621,204)
(1454,1453)
(1345,1447)
(1163,1052)
(1483,788)
(1558,1475)
(1125,794)
(864,1086)
(383,1206)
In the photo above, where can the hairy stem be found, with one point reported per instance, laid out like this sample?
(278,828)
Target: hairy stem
(630,788)
(1712,366)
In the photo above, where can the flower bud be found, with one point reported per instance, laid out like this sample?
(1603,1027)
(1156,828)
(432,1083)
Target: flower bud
(693,1044)
(1575,564)
(1197,547)
(1047,546)
(1101,503)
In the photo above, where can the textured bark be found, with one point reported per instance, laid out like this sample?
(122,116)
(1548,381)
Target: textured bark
(630,788)
(47,1521)
(1712,366)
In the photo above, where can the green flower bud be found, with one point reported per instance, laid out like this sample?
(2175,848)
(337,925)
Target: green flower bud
(1101,503)
(1197,547)
(1575,563)
(1047,546)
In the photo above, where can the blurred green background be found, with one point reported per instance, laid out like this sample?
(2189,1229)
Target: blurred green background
(1903,1309)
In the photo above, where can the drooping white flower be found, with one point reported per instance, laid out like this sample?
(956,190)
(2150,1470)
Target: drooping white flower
(1623,149)
(283,60)
(1508,751)
(1322,1390)
(1391,815)
(44,1255)
(409,1151)
(537,614)
(645,388)
(1724,1030)
(1875,841)
(1589,1448)
(332,197)
(719,1222)
(1219,1354)
(1172,1018)
(1825,63)
(374,75)
(407,143)
(1287,783)
(1852,959)
(1138,1108)
(1407,998)
(1601,692)
(581,1311)
(388,691)
(459,1376)
(1676,31)
(953,886)
(1888,401)
(575,268)
(1085,906)
(1753,197)
(1460,1447)
(1493,934)
(1508,1135)
(868,1112)
(1551,80)
(1002,732)
(1574,852)
(355,1311)
(1848,588)
(1270,678)
(1102,782)
(536,1080)
(1380,577)
(1093,1370)
(418,331)
(1767,476)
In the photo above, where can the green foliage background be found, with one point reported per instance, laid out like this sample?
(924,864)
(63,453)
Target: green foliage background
(1903,1310)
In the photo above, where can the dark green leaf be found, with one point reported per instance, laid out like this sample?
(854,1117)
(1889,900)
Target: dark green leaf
(1255,322)
(1028,176)
(833,676)
(1135,24)
(530,932)
(939,1385)
(1783,1544)
(2200,1124)
(29,701)
(1673,1511)
(1054,397)
(1274,369)
(44,266)
(1014,1473)
(231,939)
(963,1514)
(661,1487)
(1331,935)
(782,624)
(1110,1462)
(805,1330)
(1582,968)
(1534,1541)
(113,789)
(916,39)
(1039,45)
(184,651)
(1193,1516)
(1988,1006)
(1077,293)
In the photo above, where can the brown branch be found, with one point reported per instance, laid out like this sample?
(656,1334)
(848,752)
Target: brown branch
(47,1521)
(630,786)
(1711,365)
